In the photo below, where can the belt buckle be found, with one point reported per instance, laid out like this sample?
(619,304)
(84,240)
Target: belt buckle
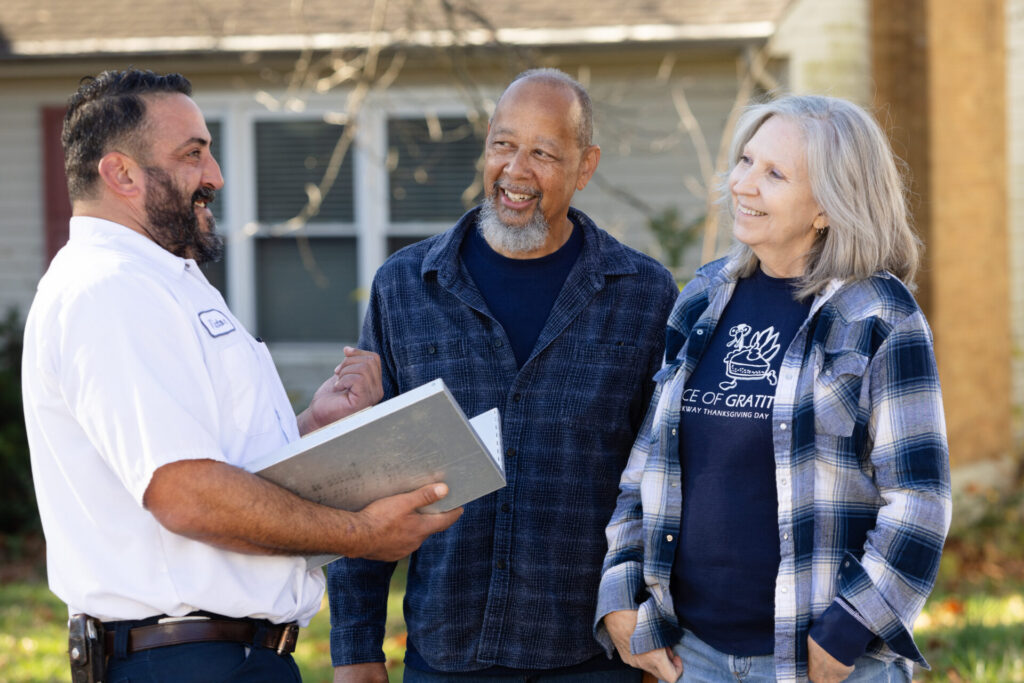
(289,635)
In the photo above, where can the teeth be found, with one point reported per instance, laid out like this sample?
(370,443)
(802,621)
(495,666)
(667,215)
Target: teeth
(749,212)
(516,197)
(201,205)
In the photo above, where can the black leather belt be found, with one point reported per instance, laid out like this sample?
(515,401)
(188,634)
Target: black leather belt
(278,637)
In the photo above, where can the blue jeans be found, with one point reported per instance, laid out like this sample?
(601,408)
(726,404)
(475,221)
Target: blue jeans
(202,662)
(618,676)
(704,664)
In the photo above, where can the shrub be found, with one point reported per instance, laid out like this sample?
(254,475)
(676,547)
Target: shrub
(18,513)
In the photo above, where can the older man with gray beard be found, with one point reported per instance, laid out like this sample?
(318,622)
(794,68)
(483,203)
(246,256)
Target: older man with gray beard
(526,305)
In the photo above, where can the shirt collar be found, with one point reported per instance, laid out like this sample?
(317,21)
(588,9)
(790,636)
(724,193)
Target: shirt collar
(123,239)
(601,254)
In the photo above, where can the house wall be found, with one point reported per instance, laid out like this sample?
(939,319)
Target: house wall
(1015,213)
(649,160)
(827,46)
(21,214)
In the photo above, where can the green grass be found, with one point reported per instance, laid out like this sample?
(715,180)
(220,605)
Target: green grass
(976,637)
(971,630)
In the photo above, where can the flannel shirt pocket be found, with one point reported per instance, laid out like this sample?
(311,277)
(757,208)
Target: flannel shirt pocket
(837,389)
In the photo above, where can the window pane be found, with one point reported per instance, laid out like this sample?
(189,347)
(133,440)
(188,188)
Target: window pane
(431,166)
(306,289)
(291,155)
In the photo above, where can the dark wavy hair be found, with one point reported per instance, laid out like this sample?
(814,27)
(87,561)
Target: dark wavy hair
(107,111)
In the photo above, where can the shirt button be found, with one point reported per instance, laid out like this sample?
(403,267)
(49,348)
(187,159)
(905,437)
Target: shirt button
(431,349)
(498,343)
(700,332)
(517,397)
(785,537)
(783,590)
(828,371)
(669,538)
(783,426)
(505,507)
(510,453)
(783,482)
(500,564)
(673,431)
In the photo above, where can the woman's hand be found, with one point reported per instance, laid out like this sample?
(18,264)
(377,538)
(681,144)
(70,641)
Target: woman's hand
(662,662)
(823,667)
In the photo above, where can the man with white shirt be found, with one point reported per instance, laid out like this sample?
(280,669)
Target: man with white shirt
(145,398)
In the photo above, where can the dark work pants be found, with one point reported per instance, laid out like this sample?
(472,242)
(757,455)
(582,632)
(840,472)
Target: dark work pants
(202,663)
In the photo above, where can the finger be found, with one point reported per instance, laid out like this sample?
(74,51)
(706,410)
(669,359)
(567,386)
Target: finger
(425,495)
(440,521)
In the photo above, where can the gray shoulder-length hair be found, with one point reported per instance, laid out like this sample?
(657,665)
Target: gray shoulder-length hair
(855,179)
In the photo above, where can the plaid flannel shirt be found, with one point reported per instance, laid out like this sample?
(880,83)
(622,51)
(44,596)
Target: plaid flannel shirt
(861,468)
(514,582)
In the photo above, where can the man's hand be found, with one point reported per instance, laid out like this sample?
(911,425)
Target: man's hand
(355,384)
(393,527)
(370,672)
(823,667)
(662,662)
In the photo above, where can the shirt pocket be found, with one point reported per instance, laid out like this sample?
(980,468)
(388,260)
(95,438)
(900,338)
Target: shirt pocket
(837,390)
(245,400)
(427,360)
(601,383)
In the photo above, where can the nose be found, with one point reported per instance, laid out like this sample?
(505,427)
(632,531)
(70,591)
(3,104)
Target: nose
(740,181)
(518,165)
(211,174)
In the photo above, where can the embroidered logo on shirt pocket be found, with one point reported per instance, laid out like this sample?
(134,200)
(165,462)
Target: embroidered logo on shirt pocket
(837,389)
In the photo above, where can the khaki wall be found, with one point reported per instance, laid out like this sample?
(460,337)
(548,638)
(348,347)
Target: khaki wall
(939,65)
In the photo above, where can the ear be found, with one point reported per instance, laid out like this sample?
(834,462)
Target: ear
(588,164)
(121,175)
(820,221)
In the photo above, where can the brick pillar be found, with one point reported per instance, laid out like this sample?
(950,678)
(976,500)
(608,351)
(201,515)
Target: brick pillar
(939,69)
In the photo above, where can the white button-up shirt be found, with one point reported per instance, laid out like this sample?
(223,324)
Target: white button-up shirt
(132,360)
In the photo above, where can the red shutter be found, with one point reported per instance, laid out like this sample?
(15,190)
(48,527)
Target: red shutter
(56,205)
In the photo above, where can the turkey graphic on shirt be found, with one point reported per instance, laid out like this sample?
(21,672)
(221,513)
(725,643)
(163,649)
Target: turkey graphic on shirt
(750,359)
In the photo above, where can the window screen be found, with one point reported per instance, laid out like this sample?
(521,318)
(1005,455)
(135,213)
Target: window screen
(431,164)
(290,155)
(306,289)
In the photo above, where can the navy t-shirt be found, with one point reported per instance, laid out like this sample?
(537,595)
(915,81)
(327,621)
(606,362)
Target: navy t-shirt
(520,292)
(727,559)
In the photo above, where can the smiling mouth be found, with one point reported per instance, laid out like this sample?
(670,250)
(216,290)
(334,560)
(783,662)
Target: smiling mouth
(749,212)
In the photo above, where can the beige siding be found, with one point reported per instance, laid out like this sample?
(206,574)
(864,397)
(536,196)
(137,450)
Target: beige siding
(21,204)
(826,43)
(1015,157)
(647,153)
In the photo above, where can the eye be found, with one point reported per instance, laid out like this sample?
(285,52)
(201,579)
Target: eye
(774,173)
(744,159)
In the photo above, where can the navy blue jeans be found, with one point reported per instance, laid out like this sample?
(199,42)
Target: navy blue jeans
(201,663)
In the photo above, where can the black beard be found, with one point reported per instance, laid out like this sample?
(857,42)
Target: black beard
(173,223)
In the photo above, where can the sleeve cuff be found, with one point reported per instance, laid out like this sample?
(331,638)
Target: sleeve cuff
(841,634)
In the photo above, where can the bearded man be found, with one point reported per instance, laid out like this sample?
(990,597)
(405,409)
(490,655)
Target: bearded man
(145,398)
(527,305)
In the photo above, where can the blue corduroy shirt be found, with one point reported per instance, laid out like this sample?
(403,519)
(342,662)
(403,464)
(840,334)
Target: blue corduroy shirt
(514,582)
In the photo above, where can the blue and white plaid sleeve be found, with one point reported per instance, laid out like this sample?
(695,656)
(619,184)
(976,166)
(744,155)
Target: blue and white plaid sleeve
(889,584)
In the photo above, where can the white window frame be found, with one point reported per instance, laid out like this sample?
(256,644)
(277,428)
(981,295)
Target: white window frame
(371,226)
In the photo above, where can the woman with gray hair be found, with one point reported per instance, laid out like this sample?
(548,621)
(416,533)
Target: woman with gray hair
(783,511)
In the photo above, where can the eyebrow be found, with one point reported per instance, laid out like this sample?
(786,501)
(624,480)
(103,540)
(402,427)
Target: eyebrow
(202,142)
(504,130)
